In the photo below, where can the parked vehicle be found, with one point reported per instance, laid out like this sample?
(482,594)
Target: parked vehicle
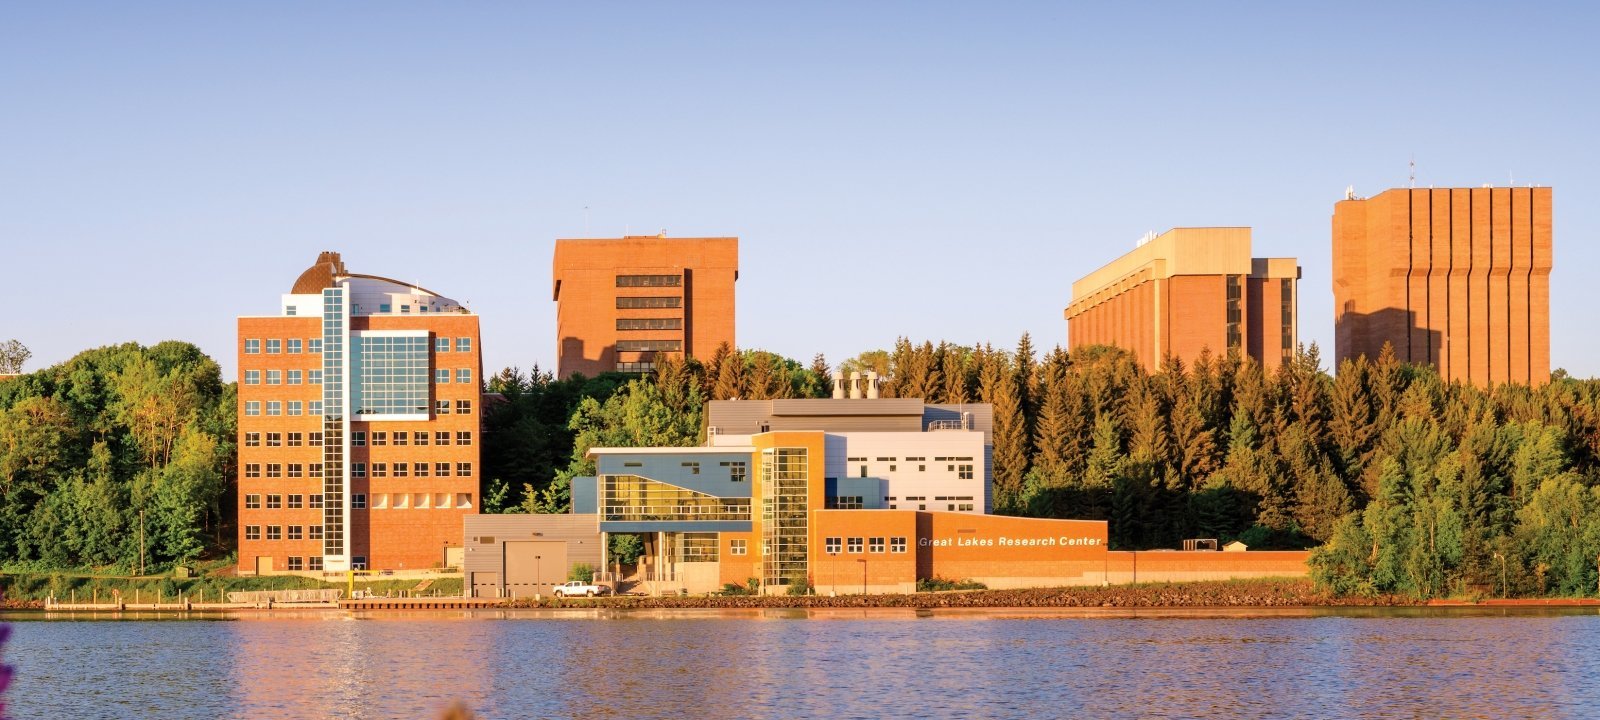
(578,588)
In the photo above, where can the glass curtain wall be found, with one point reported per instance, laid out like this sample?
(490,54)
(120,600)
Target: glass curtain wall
(785,477)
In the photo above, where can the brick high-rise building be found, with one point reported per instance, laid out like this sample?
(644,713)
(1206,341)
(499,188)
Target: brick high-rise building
(358,425)
(1457,278)
(1189,290)
(620,301)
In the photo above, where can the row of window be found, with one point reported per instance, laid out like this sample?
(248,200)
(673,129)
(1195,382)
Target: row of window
(650,345)
(649,280)
(400,469)
(441,376)
(632,303)
(283,377)
(291,408)
(294,346)
(835,545)
(380,438)
(963,472)
(636,367)
(649,323)
(419,438)
(360,470)
(276,532)
(314,563)
(291,502)
(275,346)
(737,469)
(420,501)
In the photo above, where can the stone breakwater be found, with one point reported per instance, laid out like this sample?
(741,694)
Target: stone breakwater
(1233,593)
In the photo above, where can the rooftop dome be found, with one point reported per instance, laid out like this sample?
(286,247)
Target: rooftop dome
(319,275)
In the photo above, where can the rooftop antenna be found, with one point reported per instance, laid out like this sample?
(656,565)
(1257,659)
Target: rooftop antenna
(1413,170)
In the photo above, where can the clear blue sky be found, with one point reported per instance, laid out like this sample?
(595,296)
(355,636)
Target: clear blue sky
(938,171)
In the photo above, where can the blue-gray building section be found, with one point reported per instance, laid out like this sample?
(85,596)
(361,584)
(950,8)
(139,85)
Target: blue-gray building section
(869,489)
(674,469)
(586,495)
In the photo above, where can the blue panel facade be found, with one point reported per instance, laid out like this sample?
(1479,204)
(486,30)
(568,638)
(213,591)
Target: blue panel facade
(869,489)
(702,472)
(586,495)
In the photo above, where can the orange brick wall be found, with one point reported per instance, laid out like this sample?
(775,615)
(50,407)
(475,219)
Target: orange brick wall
(1180,566)
(1456,278)
(584,275)
(388,538)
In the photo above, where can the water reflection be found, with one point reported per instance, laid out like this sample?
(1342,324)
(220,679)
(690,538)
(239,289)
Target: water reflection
(848,663)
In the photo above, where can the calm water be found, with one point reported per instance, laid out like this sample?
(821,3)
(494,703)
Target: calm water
(837,664)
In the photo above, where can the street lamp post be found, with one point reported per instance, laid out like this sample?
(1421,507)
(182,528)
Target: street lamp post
(538,576)
(1502,560)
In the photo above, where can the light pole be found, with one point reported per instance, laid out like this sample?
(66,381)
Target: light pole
(863,562)
(1502,560)
(538,575)
(833,558)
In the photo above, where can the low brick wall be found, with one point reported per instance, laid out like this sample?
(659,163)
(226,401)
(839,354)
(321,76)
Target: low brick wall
(1187,566)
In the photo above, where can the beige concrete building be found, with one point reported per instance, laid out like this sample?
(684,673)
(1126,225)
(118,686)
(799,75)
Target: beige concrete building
(1189,290)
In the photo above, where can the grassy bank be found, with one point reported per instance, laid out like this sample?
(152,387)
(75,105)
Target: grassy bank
(1268,592)
(30,588)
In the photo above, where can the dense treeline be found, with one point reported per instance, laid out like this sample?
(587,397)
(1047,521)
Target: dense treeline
(1411,484)
(89,446)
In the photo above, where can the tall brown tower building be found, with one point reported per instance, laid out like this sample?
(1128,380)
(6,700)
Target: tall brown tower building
(1189,290)
(622,301)
(1457,278)
(358,425)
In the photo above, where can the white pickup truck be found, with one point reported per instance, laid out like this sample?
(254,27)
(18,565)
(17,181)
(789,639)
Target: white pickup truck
(577,588)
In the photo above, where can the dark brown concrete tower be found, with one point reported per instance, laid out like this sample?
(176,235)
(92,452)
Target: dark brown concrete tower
(1457,278)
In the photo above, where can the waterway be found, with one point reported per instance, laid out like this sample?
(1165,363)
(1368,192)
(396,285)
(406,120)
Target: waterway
(1321,663)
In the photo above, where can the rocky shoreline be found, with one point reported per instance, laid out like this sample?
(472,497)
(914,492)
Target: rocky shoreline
(1230,593)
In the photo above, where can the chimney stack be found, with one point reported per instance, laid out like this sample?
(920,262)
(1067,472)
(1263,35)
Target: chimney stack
(855,386)
(872,385)
(838,385)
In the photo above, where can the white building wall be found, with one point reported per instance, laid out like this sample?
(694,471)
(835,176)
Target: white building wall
(886,456)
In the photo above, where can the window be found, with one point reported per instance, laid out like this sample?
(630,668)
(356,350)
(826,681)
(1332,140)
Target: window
(400,438)
(379,438)
(380,470)
(846,502)
(464,469)
(635,367)
(295,439)
(359,562)
(401,469)
(358,470)
(252,407)
(649,280)
(296,470)
(464,375)
(295,502)
(464,437)
(358,438)
(441,469)
(274,408)
(252,470)
(314,407)
(314,470)
(736,547)
(649,323)
(314,439)
(314,345)
(441,344)
(296,563)
(693,467)
(274,532)
(629,303)
(1235,315)
(295,532)
(252,502)
(274,346)
(294,346)
(291,310)
(441,376)
(419,437)
(294,377)
(358,501)
(832,545)
(274,439)
(252,377)
(875,545)
(463,407)
(385,307)
(441,407)
(964,507)
(419,469)
(252,346)
(854,545)
(274,470)
(295,408)
(650,345)
(252,532)
(897,545)
(394,376)
(964,472)
(441,437)
(313,377)
(464,344)
(863,471)
(252,439)
(314,502)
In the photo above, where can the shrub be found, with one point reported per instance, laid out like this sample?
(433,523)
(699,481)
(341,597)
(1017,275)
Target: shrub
(581,571)
(799,586)
(939,584)
(736,589)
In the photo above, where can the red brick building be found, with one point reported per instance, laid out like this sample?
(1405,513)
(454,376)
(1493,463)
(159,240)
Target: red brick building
(1186,291)
(621,301)
(359,408)
(1456,278)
